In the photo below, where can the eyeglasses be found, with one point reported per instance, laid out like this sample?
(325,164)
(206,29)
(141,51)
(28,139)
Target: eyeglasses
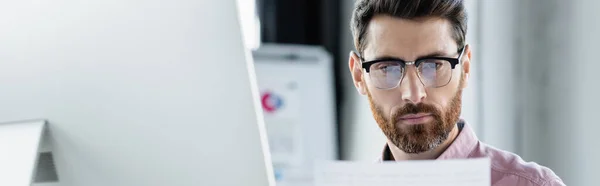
(387,73)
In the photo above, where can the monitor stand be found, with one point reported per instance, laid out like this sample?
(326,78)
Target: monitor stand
(23,149)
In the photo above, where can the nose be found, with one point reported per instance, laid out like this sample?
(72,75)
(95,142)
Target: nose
(411,87)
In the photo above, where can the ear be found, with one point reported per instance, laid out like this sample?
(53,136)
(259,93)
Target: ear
(357,73)
(466,65)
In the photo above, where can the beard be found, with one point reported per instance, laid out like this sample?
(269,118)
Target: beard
(421,137)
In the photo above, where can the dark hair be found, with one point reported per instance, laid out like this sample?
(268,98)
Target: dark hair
(365,10)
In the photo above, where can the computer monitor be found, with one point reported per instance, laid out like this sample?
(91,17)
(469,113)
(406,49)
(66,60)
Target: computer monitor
(135,92)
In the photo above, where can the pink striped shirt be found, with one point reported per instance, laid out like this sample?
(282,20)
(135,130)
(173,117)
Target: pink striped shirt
(507,168)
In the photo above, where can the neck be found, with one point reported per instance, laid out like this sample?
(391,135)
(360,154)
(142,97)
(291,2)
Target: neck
(400,155)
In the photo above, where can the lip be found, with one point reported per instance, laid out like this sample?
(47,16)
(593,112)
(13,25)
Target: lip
(413,119)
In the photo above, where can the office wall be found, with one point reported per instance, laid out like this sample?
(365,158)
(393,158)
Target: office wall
(560,88)
(583,151)
(361,137)
(543,49)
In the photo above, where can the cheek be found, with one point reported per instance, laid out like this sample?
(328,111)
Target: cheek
(386,100)
(442,97)
(457,77)
(438,98)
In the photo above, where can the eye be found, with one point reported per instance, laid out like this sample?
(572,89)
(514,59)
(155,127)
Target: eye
(432,64)
(386,66)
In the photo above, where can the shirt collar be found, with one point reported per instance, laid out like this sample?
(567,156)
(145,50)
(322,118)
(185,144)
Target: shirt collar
(460,148)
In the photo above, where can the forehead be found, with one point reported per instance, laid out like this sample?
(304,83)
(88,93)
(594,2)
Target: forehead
(408,39)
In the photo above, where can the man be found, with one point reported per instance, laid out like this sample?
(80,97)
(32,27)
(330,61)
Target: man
(412,64)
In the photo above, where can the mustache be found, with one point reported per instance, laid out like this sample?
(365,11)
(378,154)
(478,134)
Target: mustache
(410,108)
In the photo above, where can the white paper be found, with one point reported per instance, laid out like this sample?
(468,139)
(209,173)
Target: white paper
(467,172)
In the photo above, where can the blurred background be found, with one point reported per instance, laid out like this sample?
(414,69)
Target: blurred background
(532,91)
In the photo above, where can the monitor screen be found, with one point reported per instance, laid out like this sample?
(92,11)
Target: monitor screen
(135,92)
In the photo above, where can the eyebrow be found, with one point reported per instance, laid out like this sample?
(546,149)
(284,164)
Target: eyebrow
(430,55)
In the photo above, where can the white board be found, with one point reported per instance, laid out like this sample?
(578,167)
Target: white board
(297,93)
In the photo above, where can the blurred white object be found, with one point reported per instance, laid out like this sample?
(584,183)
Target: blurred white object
(135,92)
(297,94)
(250,23)
(466,172)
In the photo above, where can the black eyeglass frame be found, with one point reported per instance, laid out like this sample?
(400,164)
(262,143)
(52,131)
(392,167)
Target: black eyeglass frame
(453,62)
